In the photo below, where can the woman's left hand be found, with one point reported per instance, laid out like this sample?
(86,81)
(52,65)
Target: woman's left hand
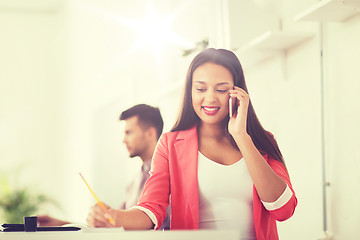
(237,123)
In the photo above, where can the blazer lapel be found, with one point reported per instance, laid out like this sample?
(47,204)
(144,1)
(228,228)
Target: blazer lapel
(186,147)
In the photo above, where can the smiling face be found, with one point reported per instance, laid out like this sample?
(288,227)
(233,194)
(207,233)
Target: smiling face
(210,92)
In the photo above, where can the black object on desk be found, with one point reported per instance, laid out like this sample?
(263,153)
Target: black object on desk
(21,228)
(30,224)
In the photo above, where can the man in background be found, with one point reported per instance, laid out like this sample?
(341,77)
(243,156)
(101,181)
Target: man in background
(143,127)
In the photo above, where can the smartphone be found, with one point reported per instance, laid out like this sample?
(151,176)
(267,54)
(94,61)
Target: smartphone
(232,106)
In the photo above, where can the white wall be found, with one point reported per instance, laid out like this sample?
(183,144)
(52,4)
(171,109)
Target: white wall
(342,125)
(31,110)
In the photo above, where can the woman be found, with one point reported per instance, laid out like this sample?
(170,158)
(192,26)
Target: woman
(220,172)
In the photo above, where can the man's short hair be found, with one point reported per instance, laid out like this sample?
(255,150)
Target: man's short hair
(148,116)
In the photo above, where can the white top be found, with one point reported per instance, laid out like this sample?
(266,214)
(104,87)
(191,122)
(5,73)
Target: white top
(225,197)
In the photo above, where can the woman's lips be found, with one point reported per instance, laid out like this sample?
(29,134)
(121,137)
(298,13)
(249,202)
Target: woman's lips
(210,110)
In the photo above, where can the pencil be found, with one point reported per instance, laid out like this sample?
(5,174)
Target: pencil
(97,199)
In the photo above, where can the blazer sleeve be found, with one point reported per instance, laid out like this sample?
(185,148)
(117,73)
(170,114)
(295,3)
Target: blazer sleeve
(287,210)
(155,196)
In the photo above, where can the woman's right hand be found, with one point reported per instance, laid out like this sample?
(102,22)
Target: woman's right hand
(131,219)
(98,217)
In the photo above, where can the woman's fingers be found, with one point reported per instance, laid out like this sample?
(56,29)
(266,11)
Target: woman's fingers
(240,95)
(237,124)
(238,92)
(97,217)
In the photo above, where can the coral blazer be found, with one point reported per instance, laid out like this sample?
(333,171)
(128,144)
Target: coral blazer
(174,173)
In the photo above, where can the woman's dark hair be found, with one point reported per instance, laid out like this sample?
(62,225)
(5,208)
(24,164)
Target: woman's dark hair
(263,140)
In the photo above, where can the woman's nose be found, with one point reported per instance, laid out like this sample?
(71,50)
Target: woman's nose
(210,96)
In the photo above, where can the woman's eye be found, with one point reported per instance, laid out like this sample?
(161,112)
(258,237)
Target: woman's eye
(222,91)
(201,89)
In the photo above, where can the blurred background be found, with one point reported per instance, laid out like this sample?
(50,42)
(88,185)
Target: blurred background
(68,68)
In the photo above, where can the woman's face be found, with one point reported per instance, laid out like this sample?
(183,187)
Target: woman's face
(210,92)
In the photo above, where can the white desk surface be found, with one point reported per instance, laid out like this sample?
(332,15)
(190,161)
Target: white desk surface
(99,234)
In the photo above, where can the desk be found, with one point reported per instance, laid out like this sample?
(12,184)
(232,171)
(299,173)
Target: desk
(123,235)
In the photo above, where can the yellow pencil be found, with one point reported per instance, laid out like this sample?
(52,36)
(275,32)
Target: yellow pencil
(97,199)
